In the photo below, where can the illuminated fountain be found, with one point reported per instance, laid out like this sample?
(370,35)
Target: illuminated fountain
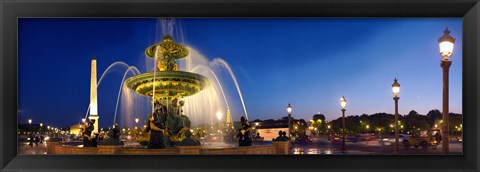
(177,71)
(167,83)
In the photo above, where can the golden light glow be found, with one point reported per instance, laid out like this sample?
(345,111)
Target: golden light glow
(343,102)
(445,44)
(396,90)
(93,88)
(219,115)
(289,108)
(395,87)
(446,49)
(93,96)
(368,126)
(229,116)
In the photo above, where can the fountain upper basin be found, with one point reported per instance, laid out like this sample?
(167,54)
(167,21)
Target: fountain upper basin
(168,84)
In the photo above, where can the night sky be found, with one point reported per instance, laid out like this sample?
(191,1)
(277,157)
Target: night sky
(310,63)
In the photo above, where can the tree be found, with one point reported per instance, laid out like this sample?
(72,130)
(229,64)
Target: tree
(433,115)
(415,121)
(455,120)
(318,122)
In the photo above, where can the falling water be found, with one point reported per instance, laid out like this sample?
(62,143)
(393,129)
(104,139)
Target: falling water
(114,64)
(225,64)
(110,67)
(202,107)
(216,79)
(135,71)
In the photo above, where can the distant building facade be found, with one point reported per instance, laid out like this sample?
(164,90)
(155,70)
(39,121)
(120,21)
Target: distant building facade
(268,129)
(76,129)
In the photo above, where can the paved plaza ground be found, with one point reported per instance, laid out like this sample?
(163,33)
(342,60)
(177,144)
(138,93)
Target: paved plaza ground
(323,146)
(318,146)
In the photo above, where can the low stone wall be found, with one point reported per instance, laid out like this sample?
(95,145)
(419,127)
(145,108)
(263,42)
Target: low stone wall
(264,149)
(132,151)
(274,148)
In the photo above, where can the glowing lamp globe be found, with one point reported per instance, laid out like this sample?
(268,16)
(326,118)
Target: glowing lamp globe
(446,43)
(289,108)
(395,87)
(343,102)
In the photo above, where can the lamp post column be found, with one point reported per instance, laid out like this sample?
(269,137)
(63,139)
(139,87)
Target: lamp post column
(445,64)
(446,43)
(397,149)
(343,103)
(343,129)
(289,125)
(289,110)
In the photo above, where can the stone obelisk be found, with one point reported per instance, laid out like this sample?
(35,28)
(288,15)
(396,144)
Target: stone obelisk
(93,95)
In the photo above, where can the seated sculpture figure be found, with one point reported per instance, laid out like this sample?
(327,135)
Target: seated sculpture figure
(156,127)
(189,140)
(244,138)
(177,123)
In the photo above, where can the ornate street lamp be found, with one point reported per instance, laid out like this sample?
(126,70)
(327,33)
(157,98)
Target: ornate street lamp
(343,103)
(30,124)
(289,110)
(445,43)
(396,91)
(41,125)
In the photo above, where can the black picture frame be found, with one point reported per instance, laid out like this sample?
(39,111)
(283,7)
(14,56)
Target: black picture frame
(11,10)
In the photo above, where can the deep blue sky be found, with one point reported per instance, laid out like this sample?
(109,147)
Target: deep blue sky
(310,63)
